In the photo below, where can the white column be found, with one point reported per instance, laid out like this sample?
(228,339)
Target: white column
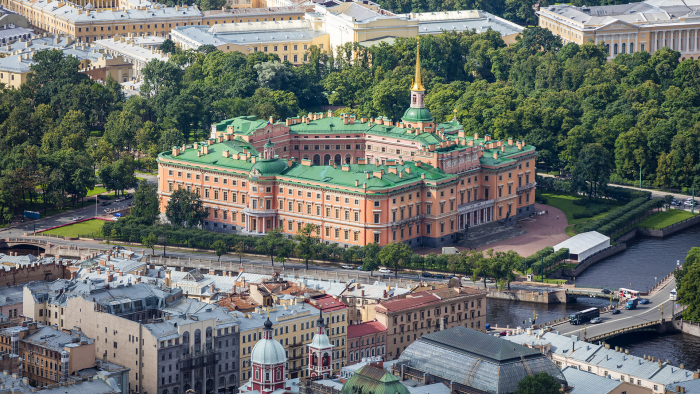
(687,40)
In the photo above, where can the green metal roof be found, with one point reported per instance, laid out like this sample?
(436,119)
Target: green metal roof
(372,380)
(417,115)
(269,167)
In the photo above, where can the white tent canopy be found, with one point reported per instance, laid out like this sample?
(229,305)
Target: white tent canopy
(584,245)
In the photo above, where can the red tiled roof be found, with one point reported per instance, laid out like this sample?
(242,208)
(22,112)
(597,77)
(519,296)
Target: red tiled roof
(327,303)
(418,300)
(359,330)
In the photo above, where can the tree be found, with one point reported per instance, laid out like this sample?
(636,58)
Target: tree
(539,383)
(119,175)
(168,46)
(284,252)
(370,261)
(271,242)
(689,290)
(537,38)
(121,130)
(273,75)
(482,267)
(219,248)
(145,207)
(592,169)
(239,250)
(306,241)
(150,242)
(395,254)
(185,207)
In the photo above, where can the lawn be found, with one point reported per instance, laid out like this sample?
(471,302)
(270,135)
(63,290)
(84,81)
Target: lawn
(663,219)
(565,202)
(75,230)
(96,190)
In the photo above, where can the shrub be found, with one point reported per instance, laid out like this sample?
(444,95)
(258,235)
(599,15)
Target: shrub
(591,211)
(530,260)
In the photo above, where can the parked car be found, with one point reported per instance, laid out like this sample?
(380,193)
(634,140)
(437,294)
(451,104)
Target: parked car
(78,218)
(643,300)
(114,219)
(467,278)
(440,276)
(452,276)
(347,267)
(427,275)
(503,333)
(547,328)
(119,200)
(596,320)
(384,271)
(615,312)
(605,291)
(105,203)
(129,196)
(360,268)
(488,280)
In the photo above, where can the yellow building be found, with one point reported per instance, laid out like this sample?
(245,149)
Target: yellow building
(294,327)
(628,28)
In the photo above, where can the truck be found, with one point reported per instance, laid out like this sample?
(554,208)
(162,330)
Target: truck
(632,303)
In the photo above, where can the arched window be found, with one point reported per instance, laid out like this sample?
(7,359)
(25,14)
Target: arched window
(631,47)
(232,380)
(222,381)
(623,47)
(176,390)
(279,374)
(198,336)
(267,376)
(614,49)
(165,391)
(257,374)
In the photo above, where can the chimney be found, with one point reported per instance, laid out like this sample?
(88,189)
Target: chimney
(476,136)
(211,288)
(495,155)
(272,120)
(176,150)
(510,141)
(503,148)
(357,182)
(289,122)
(345,119)
(224,153)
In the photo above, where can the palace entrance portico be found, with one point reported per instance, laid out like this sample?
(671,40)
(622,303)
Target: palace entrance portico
(475,213)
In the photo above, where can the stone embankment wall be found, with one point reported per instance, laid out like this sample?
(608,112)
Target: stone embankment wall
(539,297)
(672,229)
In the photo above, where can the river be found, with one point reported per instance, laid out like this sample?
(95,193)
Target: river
(636,267)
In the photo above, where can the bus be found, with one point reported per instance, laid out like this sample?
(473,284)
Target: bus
(584,316)
(672,295)
(627,293)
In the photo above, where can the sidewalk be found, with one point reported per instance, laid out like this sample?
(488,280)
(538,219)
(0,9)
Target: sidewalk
(654,193)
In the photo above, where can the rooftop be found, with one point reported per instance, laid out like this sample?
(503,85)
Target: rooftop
(327,303)
(588,383)
(476,359)
(368,328)
(655,371)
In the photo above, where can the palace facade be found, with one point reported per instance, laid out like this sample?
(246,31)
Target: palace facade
(359,180)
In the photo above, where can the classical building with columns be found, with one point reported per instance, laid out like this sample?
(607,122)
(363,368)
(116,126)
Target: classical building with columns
(628,28)
(360,180)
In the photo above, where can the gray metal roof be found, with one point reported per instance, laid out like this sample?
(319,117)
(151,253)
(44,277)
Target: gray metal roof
(477,343)
(476,359)
(588,383)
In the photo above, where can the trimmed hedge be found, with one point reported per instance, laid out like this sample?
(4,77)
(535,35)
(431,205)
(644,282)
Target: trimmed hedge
(550,260)
(618,213)
(591,211)
(629,217)
(527,262)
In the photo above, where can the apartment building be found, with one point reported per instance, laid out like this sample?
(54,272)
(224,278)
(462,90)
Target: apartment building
(294,327)
(366,340)
(194,346)
(49,355)
(140,18)
(353,179)
(627,28)
(408,319)
(646,372)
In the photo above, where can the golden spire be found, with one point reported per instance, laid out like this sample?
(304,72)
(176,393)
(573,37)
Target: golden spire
(417,82)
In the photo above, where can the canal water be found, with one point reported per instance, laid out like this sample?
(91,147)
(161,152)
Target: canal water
(644,259)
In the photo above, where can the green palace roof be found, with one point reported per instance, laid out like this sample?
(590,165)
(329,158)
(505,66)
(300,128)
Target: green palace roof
(417,115)
(372,380)
(340,176)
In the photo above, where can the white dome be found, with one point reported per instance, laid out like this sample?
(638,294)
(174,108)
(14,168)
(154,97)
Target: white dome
(268,352)
(320,341)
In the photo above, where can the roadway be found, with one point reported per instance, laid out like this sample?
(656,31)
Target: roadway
(627,318)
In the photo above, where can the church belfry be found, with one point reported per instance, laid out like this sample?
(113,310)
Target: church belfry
(417,89)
